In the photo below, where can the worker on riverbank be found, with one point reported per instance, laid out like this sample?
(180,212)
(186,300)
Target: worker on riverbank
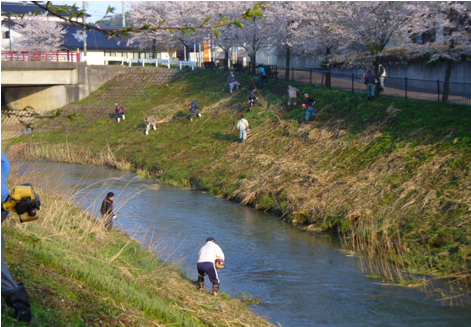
(243,127)
(308,106)
(193,110)
(150,122)
(292,96)
(208,254)
(232,81)
(263,76)
(370,79)
(15,295)
(107,213)
(119,110)
(252,97)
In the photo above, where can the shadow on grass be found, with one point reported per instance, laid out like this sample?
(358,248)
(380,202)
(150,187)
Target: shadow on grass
(225,137)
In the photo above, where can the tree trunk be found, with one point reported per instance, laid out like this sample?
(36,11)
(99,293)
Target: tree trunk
(288,62)
(226,59)
(252,57)
(327,77)
(446,85)
(187,53)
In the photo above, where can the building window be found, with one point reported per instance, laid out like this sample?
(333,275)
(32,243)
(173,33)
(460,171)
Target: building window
(6,35)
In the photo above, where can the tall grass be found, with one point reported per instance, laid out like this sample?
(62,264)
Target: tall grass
(67,256)
(390,176)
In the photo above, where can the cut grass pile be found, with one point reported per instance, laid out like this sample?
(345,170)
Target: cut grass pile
(390,175)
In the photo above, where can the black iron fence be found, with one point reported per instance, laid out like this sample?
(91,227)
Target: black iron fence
(451,92)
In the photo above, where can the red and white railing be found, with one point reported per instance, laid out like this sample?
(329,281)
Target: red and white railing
(60,56)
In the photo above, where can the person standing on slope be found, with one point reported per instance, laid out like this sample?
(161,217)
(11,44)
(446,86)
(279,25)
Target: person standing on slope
(308,106)
(292,95)
(232,81)
(243,127)
(193,110)
(382,76)
(209,253)
(106,210)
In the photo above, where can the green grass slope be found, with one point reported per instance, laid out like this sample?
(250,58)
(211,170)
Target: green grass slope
(390,175)
(79,274)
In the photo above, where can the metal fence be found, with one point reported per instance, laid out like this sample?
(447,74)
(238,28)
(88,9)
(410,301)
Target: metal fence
(407,88)
(60,56)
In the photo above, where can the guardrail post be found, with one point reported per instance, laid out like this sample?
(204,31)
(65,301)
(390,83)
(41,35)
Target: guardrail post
(310,76)
(438,90)
(57,56)
(168,63)
(180,65)
(406,86)
(192,66)
(353,81)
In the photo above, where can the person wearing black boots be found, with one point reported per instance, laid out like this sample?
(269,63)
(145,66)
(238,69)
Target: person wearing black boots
(14,294)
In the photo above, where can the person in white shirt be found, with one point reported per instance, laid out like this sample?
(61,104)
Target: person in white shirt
(382,76)
(243,127)
(209,253)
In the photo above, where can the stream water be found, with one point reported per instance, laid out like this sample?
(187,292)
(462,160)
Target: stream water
(301,277)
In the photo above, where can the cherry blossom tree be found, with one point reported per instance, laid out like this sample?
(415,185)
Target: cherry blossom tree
(286,36)
(39,33)
(364,29)
(450,21)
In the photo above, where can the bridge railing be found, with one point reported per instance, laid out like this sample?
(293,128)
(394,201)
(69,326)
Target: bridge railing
(60,56)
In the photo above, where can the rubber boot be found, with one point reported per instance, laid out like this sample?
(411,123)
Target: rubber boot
(199,115)
(215,290)
(18,300)
(201,286)
(123,118)
(117,119)
(154,128)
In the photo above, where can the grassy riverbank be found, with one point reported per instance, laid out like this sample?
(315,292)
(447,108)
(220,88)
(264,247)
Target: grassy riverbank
(390,175)
(78,274)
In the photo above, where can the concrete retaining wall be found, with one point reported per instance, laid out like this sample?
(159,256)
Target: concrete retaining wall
(50,85)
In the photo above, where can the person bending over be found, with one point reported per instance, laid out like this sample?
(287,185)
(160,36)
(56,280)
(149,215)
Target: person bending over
(209,253)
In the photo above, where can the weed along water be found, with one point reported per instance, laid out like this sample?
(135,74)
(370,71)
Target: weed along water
(295,278)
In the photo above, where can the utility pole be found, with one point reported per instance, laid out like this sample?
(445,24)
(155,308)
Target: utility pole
(124,19)
(85,29)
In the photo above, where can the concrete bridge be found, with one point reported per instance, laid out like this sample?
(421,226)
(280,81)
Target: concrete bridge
(50,85)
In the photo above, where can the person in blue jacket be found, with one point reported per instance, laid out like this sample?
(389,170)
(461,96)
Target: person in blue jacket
(14,294)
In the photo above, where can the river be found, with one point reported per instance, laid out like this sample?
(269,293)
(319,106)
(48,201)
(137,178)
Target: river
(302,278)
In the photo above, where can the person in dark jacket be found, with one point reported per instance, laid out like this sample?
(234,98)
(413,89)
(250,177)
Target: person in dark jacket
(193,110)
(252,97)
(232,81)
(370,84)
(119,110)
(308,105)
(107,210)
